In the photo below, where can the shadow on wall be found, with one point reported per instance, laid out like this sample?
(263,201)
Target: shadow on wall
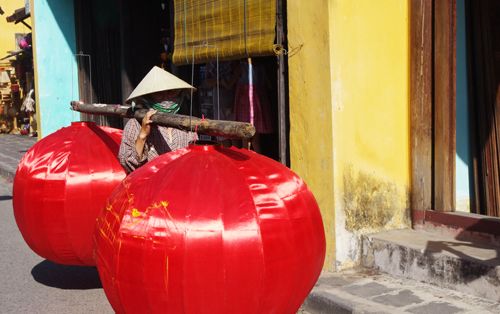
(63,11)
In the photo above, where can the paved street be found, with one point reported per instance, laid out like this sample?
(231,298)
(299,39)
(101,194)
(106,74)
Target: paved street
(12,148)
(31,284)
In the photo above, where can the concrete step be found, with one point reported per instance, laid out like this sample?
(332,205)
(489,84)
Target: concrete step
(471,267)
(368,291)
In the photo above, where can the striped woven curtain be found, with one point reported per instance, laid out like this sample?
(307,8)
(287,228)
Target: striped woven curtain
(229,29)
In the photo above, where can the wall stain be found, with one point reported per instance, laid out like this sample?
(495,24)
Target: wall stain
(371,203)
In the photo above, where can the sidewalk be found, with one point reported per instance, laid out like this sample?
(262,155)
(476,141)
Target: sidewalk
(12,149)
(366,291)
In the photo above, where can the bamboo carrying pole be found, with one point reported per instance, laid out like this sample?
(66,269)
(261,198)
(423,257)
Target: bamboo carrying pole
(227,129)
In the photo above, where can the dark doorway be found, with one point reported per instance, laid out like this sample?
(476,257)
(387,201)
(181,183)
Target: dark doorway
(118,42)
(483,27)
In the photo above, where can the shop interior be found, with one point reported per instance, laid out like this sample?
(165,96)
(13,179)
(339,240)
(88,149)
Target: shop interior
(17,99)
(120,41)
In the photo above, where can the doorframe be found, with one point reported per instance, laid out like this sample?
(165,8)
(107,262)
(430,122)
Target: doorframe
(432,120)
(421,108)
(432,104)
(444,83)
(283,124)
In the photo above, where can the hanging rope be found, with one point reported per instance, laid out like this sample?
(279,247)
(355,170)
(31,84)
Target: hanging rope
(245,25)
(217,66)
(279,50)
(89,84)
(185,31)
(196,127)
(191,97)
(205,45)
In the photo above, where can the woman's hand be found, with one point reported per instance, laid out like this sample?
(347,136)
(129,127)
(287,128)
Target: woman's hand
(146,124)
(144,132)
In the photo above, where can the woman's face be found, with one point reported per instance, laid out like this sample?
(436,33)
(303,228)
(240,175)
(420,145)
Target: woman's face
(171,95)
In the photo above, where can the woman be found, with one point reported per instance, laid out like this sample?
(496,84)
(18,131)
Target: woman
(142,142)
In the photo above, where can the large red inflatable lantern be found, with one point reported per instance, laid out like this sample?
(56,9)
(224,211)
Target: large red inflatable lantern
(61,185)
(208,229)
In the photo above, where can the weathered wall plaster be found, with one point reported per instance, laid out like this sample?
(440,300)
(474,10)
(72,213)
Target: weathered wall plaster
(370,79)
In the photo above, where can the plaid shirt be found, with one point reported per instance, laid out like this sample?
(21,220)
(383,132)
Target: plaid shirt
(161,140)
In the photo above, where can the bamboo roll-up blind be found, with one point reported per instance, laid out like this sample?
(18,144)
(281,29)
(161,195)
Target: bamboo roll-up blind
(230,28)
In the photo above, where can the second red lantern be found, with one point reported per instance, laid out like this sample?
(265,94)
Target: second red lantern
(210,230)
(61,185)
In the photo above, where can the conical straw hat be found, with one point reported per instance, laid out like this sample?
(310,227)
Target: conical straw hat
(158,80)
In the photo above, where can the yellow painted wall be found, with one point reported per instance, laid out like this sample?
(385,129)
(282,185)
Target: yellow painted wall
(370,79)
(349,123)
(311,149)
(7,30)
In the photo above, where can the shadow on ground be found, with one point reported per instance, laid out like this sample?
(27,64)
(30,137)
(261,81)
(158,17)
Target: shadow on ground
(66,277)
(467,268)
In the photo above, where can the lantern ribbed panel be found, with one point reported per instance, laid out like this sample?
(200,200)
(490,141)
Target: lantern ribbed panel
(60,187)
(208,229)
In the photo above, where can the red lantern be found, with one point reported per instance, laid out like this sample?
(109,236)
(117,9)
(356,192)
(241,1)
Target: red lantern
(61,185)
(208,229)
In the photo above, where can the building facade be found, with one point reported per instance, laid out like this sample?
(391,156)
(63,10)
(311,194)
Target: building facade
(370,128)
